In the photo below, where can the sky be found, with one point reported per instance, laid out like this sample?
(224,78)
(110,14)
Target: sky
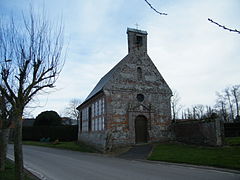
(195,57)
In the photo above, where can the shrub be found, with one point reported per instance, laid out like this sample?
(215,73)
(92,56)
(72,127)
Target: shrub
(48,118)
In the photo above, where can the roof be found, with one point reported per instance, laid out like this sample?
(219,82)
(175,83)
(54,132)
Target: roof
(136,31)
(100,85)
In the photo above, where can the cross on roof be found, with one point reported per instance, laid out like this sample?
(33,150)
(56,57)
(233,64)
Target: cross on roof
(137,25)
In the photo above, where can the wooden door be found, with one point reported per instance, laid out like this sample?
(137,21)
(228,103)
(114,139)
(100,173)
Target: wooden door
(141,131)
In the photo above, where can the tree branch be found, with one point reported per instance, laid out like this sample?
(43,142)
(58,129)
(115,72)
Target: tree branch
(226,28)
(39,88)
(5,94)
(154,8)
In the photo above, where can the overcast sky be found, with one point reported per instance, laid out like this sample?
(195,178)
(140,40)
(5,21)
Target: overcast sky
(194,56)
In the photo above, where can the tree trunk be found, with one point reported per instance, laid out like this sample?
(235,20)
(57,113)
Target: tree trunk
(224,112)
(18,154)
(230,103)
(174,113)
(236,101)
(4,134)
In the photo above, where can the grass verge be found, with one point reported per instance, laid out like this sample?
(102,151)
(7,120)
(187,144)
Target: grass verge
(8,174)
(63,145)
(224,157)
(232,141)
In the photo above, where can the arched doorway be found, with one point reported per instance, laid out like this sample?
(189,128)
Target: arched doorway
(141,130)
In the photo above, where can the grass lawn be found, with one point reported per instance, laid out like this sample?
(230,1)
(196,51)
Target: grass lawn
(8,174)
(225,157)
(232,141)
(63,145)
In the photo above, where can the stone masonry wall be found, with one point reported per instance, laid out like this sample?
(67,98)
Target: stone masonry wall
(200,132)
(123,106)
(95,139)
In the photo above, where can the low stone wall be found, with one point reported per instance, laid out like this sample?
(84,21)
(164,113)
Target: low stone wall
(200,132)
(95,139)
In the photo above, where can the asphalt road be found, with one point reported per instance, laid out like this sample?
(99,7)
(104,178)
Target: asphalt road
(55,164)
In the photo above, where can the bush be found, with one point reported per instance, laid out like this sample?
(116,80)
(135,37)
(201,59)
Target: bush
(63,133)
(48,118)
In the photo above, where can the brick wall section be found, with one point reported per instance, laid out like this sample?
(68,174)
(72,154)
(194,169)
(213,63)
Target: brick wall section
(200,132)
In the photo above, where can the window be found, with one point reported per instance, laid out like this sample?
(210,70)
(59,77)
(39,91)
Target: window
(103,105)
(139,40)
(89,119)
(85,123)
(97,124)
(100,123)
(96,107)
(94,124)
(81,121)
(92,110)
(103,123)
(100,107)
(140,97)
(139,73)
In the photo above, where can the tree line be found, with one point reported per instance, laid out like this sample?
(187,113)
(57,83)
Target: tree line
(226,107)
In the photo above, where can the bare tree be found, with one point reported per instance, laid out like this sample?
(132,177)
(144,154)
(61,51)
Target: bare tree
(30,55)
(209,111)
(235,90)
(184,114)
(221,104)
(199,108)
(198,112)
(189,114)
(71,110)
(194,112)
(227,94)
(175,104)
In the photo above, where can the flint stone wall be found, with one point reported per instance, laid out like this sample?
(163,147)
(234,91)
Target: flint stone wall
(122,106)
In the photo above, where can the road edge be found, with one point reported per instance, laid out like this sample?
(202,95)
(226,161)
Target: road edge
(190,165)
(30,172)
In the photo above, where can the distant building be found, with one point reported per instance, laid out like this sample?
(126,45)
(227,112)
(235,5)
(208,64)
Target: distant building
(68,121)
(130,104)
(28,122)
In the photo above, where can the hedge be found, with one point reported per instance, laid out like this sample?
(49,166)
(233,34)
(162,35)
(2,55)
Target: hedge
(62,133)
(232,129)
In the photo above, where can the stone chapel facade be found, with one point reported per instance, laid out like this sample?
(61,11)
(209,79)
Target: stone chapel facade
(130,104)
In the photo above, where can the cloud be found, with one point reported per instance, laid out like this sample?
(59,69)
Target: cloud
(194,56)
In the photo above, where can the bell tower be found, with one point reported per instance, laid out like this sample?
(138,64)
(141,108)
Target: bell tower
(137,40)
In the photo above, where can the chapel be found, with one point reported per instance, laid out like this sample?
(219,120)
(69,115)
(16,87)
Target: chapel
(130,104)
